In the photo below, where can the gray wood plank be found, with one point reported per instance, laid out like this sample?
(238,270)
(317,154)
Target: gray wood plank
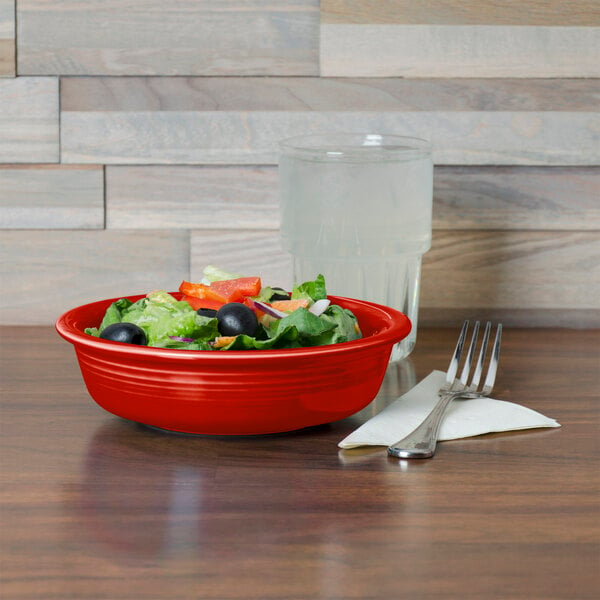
(545,198)
(527,270)
(462,12)
(51,197)
(239,120)
(459,138)
(231,94)
(44,273)
(7,38)
(192,197)
(147,37)
(246,197)
(384,50)
(29,120)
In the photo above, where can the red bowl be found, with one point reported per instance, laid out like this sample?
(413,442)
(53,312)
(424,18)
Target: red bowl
(239,392)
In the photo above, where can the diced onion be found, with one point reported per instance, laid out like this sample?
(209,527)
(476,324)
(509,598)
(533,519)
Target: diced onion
(319,307)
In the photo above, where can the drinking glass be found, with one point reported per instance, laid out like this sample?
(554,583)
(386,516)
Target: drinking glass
(357,208)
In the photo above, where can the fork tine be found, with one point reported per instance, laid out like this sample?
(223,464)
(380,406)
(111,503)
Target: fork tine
(467,366)
(481,359)
(492,369)
(453,367)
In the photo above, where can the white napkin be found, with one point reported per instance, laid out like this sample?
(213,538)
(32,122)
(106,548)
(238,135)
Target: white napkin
(463,418)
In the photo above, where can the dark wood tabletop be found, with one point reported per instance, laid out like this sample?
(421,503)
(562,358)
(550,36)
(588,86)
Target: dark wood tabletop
(97,507)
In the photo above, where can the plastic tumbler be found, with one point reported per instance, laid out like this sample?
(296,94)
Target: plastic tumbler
(357,208)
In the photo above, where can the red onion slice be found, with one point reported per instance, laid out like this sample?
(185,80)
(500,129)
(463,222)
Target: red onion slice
(269,310)
(176,338)
(319,307)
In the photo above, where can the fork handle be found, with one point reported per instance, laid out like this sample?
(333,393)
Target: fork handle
(421,442)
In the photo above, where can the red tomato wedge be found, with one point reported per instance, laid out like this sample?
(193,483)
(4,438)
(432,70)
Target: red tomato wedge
(230,290)
(234,290)
(197,303)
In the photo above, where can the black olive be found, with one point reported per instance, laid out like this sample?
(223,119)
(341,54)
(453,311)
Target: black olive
(279,294)
(207,312)
(236,318)
(127,333)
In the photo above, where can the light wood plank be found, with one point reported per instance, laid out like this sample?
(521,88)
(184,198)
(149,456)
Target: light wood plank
(51,197)
(192,197)
(7,38)
(44,273)
(231,94)
(29,120)
(147,37)
(459,51)
(549,198)
(462,12)
(523,270)
(459,138)
(249,252)
(239,120)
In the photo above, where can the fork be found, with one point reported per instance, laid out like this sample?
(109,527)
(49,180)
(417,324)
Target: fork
(421,442)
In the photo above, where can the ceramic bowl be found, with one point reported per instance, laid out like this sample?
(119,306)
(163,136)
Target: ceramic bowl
(241,392)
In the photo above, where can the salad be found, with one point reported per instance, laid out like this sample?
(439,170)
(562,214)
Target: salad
(228,312)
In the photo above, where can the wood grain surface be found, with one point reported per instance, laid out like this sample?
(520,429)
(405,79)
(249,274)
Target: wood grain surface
(544,198)
(247,197)
(230,94)
(244,137)
(463,12)
(233,121)
(51,197)
(513,269)
(29,120)
(97,507)
(193,197)
(144,37)
(384,50)
(44,273)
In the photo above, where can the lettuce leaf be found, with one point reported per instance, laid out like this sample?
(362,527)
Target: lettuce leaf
(211,273)
(161,315)
(310,290)
(345,326)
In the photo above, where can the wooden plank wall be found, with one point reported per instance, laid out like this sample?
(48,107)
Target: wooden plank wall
(138,142)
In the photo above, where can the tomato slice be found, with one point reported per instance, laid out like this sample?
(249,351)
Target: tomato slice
(197,303)
(230,290)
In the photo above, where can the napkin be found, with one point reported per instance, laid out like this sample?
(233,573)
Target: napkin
(463,418)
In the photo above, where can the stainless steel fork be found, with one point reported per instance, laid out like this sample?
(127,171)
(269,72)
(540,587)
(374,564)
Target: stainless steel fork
(421,442)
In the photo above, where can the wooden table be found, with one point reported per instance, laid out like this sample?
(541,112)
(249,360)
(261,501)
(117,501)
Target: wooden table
(97,507)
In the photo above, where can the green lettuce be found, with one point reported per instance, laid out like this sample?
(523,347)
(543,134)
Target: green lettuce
(310,290)
(161,316)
